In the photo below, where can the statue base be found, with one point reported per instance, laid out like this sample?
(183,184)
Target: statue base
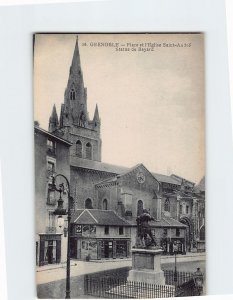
(146,266)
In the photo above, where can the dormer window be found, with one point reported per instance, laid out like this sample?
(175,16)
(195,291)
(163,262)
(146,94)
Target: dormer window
(72,94)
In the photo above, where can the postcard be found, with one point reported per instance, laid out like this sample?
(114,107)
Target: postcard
(119,165)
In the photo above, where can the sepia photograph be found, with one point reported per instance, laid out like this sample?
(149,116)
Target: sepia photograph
(119,142)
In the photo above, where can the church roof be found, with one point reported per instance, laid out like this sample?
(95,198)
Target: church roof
(96,165)
(119,170)
(166,178)
(128,170)
(98,217)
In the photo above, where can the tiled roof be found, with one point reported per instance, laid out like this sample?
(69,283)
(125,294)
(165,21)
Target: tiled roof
(98,217)
(163,222)
(173,222)
(96,165)
(165,178)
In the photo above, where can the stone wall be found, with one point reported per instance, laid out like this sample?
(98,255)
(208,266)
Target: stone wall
(83,186)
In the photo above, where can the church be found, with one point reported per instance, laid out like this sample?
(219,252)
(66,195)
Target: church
(108,198)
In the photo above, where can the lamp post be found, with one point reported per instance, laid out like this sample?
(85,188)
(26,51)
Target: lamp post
(60,211)
(175,249)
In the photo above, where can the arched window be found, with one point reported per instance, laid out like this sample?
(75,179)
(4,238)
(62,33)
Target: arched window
(105,204)
(72,94)
(88,151)
(140,207)
(88,204)
(202,233)
(79,148)
(167,205)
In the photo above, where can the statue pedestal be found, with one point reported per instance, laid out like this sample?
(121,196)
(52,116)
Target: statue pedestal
(146,266)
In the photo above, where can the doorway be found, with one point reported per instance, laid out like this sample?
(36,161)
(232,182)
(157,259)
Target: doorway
(106,249)
(188,237)
(51,252)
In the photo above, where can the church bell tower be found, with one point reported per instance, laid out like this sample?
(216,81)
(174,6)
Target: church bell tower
(74,124)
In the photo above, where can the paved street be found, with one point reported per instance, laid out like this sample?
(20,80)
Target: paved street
(51,279)
(187,263)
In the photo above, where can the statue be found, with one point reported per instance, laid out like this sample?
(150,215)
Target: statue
(144,238)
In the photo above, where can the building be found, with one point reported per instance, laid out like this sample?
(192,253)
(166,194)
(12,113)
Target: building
(97,186)
(51,155)
(99,234)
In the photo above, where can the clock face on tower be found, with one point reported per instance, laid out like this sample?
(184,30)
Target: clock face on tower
(141,177)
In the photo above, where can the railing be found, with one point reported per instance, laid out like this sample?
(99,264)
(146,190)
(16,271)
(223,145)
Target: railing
(108,285)
(122,289)
(182,277)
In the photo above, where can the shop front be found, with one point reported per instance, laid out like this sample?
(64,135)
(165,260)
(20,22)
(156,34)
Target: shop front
(49,249)
(114,249)
(86,249)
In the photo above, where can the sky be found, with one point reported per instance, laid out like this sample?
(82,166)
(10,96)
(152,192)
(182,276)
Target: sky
(151,103)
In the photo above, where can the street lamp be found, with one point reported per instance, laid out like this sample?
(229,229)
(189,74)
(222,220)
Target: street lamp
(60,211)
(175,249)
(198,279)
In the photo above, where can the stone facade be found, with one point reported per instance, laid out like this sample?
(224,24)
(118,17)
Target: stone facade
(51,155)
(74,124)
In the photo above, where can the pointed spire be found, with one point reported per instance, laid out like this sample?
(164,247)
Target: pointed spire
(96,115)
(54,114)
(76,63)
(61,123)
(53,120)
